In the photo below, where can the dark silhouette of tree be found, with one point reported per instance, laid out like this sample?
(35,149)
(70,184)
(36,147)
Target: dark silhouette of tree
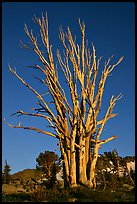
(6,174)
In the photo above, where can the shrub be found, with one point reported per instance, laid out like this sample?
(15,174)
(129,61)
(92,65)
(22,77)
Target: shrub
(20,197)
(39,194)
(57,194)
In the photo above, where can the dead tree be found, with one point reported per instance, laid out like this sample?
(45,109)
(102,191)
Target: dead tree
(75,122)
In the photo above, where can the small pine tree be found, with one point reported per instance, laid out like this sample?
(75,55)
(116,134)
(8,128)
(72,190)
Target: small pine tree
(45,162)
(5,174)
(48,163)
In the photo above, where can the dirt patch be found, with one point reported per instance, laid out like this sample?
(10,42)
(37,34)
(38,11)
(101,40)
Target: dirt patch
(9,189)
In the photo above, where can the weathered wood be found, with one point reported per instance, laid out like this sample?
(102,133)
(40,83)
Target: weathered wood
(75,123)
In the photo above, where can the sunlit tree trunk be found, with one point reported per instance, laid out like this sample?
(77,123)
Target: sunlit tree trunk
(72,173)
(82,163)
(74,123)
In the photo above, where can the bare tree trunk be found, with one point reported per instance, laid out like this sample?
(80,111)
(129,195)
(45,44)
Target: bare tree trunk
(88,155)
(82,162)
(65,165)
(72,171)
(78,118)
(92,182)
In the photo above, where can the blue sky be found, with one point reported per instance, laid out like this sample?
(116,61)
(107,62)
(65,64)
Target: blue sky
(111,27)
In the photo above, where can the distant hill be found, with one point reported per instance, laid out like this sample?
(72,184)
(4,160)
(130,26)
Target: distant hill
(22,181)
(26,175)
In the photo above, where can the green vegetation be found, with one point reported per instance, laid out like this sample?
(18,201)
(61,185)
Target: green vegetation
(25,178)
(78,194)
(20,197)
(29,186)
(26,174)
(48,163)
(116,190)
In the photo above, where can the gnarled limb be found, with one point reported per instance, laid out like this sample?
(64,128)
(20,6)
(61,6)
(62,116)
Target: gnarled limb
(76,118)
(32,128)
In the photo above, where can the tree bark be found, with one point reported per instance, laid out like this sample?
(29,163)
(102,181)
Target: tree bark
(74,122)
(92,182)
(82,163)
(72,171)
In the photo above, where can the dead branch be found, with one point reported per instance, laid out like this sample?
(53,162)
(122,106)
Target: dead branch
(75,122)
(36,93)
(108,114)
(107,140)
(32,128)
